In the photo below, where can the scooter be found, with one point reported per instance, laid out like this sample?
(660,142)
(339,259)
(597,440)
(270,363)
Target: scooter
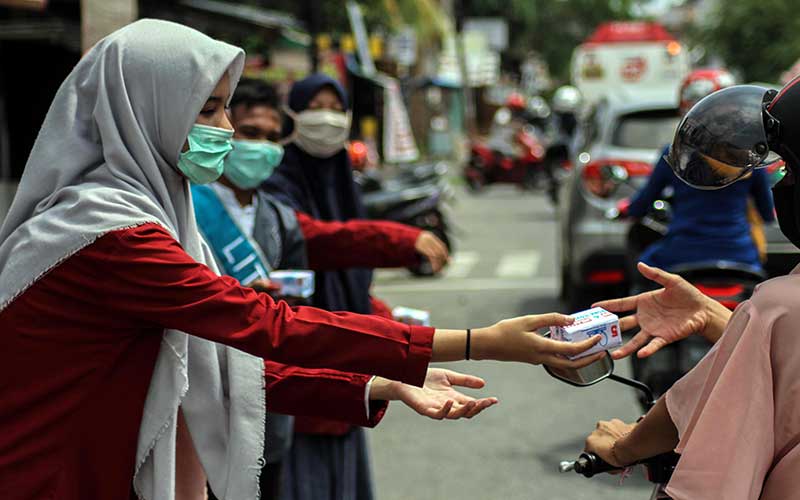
(659,468)
(729,283)
(512,155)
(418,196)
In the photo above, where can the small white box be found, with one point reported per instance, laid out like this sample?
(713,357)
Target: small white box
(294,283)
(411,316)
(595,321)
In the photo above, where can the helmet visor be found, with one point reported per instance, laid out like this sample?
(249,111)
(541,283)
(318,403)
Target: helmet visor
(721,139)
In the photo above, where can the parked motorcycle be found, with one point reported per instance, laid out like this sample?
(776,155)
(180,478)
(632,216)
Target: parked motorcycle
(513,153)
(659,468)
(729,283)
(417,196)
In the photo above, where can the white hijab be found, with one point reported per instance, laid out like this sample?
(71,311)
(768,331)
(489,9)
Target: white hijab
(103,161)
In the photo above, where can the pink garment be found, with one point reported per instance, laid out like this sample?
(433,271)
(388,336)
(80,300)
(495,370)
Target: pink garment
(738,411)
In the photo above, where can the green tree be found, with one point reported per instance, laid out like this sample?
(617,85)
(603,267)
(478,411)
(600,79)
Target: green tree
(759,38)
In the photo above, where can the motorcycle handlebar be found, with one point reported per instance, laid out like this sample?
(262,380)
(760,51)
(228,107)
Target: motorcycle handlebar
(588,465)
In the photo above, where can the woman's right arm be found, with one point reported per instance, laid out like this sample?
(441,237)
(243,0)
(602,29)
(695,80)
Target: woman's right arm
(667,315)
(157,283)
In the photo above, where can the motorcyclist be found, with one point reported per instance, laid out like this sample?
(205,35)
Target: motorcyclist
(705,225)
(562,129)
(506,123)
(733,417)
(566,105)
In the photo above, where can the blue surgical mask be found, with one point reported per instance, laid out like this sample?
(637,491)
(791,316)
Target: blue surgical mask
(251,162)
(208,146)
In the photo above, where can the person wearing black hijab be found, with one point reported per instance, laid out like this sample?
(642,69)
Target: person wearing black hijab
(316,177)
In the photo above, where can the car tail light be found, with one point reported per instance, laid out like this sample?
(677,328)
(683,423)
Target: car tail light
(600,177)
(605,277)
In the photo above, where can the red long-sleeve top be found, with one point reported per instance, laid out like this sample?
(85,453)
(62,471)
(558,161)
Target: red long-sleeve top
(332,245)
(80,344)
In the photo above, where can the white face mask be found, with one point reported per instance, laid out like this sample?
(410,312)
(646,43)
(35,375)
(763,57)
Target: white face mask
(320,132)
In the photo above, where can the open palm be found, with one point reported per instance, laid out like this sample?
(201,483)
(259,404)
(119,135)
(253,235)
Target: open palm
(664,316)
(439,399)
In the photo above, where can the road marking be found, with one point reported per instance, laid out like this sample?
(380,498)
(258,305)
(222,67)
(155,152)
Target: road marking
(468,285)
(461,264)
(519,264)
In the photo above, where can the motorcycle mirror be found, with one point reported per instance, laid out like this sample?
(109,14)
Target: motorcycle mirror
(586,376)
(615,173)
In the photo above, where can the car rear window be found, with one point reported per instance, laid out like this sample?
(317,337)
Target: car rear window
(646,129)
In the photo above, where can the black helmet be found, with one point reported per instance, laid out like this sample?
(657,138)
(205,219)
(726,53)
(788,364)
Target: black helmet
(724,137)
(731,132)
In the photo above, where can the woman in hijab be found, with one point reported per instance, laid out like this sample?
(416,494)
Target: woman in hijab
(131,367)
(315,177)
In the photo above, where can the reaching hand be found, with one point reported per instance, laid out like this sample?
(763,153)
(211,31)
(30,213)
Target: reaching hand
(438,399)
(666,315)
(516,340)
(433,249)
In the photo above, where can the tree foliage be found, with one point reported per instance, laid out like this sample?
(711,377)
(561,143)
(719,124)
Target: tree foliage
(759,38)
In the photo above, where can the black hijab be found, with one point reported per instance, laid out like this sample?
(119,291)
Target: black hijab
(323,188)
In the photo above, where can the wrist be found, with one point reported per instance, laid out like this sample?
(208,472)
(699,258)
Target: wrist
(622,452)
(383,389)
(482,343)
(717,317)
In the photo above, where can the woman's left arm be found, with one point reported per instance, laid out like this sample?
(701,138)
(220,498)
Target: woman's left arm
(622,444)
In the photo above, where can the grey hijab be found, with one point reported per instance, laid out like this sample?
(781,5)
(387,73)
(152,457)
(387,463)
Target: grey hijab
(104,161)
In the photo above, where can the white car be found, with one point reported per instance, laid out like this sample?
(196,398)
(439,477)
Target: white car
(622,137)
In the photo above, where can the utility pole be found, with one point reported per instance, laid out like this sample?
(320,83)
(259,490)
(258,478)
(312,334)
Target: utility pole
(311,15)
(459,13)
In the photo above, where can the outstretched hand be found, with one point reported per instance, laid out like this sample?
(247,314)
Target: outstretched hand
(664,316)
(438,398)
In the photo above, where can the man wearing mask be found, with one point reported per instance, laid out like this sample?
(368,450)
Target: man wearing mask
(251,233)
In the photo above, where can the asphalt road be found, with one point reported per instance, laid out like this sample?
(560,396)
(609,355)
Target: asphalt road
(504,266)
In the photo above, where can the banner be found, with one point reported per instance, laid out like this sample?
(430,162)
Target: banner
(399,145)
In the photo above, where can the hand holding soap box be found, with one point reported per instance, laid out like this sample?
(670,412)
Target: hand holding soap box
(294,283)
(595,321)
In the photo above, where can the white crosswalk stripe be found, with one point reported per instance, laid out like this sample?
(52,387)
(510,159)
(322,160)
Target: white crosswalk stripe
(516,270)
(461,264)
(467,285)
(518,264)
